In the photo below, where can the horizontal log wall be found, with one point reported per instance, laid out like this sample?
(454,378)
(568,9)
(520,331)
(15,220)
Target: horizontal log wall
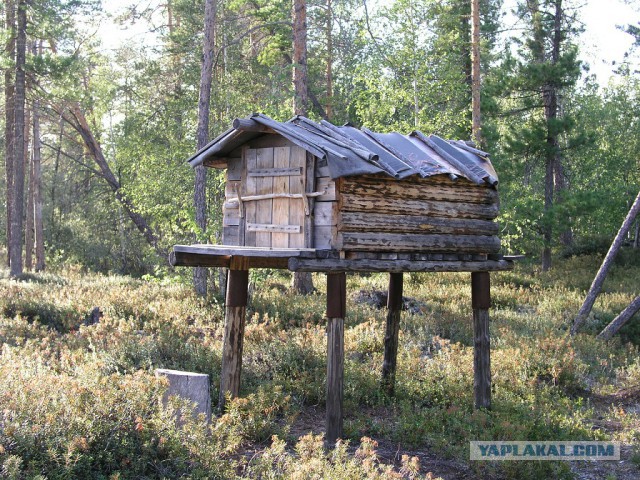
(436,214)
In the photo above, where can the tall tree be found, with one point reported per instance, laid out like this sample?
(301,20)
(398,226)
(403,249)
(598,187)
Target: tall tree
(300,83)
(17,201)
(204,103)
(9,111)
(547,69)
(36,181)
(475,72)
(302,281)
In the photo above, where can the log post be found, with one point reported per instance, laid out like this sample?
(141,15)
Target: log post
(481,301)
(235,309)
(336,307)
(394,307)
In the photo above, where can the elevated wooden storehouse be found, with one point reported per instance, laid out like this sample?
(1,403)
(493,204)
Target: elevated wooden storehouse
(313,196)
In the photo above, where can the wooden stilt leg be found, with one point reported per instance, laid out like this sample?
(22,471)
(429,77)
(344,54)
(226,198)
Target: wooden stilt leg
(394,307)
(336,307)
(236,305)
(481,301)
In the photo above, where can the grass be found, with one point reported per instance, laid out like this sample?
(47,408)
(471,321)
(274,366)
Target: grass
(81,401)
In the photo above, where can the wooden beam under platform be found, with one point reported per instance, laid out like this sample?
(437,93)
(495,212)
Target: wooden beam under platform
(394,266)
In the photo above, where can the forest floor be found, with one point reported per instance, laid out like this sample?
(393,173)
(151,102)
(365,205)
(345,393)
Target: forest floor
(79,399)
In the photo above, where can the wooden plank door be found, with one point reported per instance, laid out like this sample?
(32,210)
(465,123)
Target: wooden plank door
(273,220)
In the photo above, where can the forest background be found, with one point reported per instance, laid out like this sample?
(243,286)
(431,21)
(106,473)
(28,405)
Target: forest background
(106,132)
(96,190)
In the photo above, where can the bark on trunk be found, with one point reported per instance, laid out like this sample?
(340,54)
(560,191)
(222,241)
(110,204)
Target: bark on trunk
(37,190)
(302,281)
(550,100)
(618,322)
(17,203)
(204,103)
(598,281)
(301,98)
(329,71)
(475,73)
(9,102)
(28,168)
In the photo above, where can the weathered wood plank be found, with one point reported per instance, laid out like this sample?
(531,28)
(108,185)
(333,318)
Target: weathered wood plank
(230,217)
(336,306)
(326,214)
(392,242)
(297,158)
(269,140)
(394,206)
(281,205)
(426,190)
(481,301)
(325,184)
(323,236)
(231,235)
(264,208)
(250,125)
(271,228)
(345,265)
(204,249)
(275,172)
(309,187)
(392,329)
(181,259)
(378,222)
(250,188)
(234,170)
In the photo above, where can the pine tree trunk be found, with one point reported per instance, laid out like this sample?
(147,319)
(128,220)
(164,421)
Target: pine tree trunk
(28,228)
(28,168)
(475,75)
(302,281)
(329,70)
(598,281)
(17,201)
(37,190)
(204,103)
(550,100)
(9,103)
(301,97)
(619,322)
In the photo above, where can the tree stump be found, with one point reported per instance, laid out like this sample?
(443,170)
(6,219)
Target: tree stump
(190,386)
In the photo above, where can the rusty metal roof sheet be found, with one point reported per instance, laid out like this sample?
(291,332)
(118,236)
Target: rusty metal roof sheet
(350,151)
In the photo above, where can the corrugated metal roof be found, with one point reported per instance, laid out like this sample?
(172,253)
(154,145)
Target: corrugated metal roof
(350,151)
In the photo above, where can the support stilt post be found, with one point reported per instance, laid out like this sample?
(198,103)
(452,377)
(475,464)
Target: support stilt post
(394,307)
(235,310)
(481,301)
(336,308)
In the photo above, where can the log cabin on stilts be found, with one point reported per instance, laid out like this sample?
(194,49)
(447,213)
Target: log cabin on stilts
(316,197)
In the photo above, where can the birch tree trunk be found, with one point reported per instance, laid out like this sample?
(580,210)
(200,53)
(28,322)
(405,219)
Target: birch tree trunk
(204,103)
(598,281)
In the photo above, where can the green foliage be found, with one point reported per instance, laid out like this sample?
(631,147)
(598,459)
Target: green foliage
(97,412)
